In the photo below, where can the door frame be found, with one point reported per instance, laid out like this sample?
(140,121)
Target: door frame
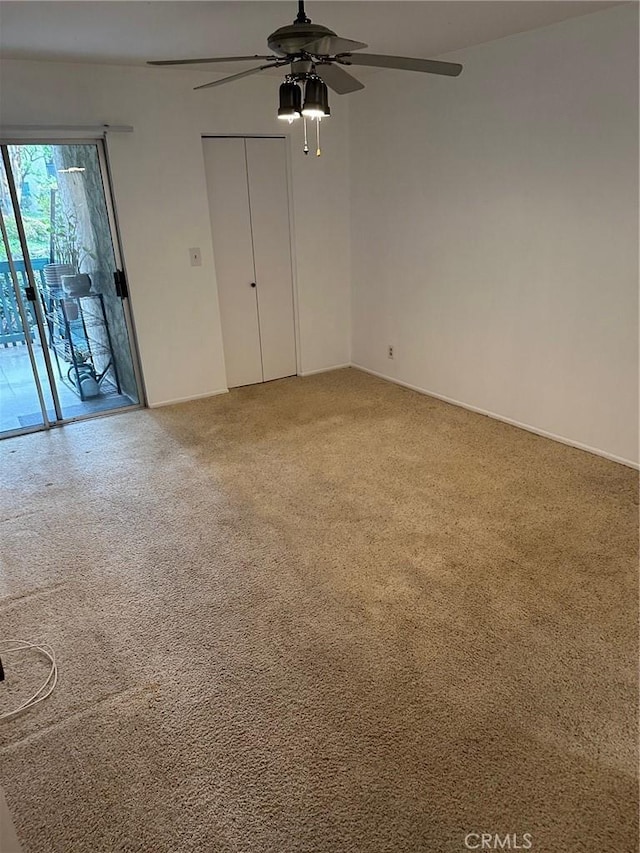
(292,240)
(112,215)
(100,143)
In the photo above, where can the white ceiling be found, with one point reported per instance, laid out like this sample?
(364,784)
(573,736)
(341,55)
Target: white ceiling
(130,33)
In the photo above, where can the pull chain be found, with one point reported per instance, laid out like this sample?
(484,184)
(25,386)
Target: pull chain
(306,144)
(318,151)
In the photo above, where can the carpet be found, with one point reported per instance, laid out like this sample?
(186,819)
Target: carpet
(325,615)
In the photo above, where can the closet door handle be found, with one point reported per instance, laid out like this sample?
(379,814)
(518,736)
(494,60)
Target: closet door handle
(253,284)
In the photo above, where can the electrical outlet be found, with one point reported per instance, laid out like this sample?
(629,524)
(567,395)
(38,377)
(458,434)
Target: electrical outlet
(390,351)
(195,257)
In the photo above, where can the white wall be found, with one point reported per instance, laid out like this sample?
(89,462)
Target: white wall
(160,190)
(495,230)
(493,222)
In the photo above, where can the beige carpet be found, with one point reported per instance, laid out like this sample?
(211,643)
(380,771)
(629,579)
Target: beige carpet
(322,615)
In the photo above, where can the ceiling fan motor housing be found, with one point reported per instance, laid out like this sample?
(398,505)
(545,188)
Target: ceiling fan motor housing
(288,41)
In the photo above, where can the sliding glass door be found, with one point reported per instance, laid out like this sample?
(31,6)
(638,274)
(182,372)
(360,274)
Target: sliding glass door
(65,331)
(22,395)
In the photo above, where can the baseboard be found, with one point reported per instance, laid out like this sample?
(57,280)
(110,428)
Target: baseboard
(325,369)
(188,399)
(559,438)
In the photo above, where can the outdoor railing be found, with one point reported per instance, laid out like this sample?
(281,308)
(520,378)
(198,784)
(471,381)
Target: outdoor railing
(12,332)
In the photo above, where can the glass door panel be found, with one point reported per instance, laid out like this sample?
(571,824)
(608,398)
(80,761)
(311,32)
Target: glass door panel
(25,403)
(60,194)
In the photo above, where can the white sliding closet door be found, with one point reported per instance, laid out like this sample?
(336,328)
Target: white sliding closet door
(249,207)
(267,170)
(226,172)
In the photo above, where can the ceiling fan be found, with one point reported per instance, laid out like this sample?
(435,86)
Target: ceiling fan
(316,55)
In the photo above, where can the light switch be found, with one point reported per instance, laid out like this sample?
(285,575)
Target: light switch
(195,257)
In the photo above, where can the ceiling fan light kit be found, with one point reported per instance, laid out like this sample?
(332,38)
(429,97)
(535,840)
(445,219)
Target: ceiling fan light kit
(315,106)
(316,55)
(290,100)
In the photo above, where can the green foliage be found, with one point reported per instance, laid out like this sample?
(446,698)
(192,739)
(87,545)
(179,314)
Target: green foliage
(66,240)
(53,234)
(37,233)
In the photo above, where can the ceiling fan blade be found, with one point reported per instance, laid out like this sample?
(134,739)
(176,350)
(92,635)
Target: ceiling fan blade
(330,45)
(404,63)
(237,76)
(338,79)
(210,59)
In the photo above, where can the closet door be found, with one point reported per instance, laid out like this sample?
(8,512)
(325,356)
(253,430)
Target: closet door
(226,174)
(269,203)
